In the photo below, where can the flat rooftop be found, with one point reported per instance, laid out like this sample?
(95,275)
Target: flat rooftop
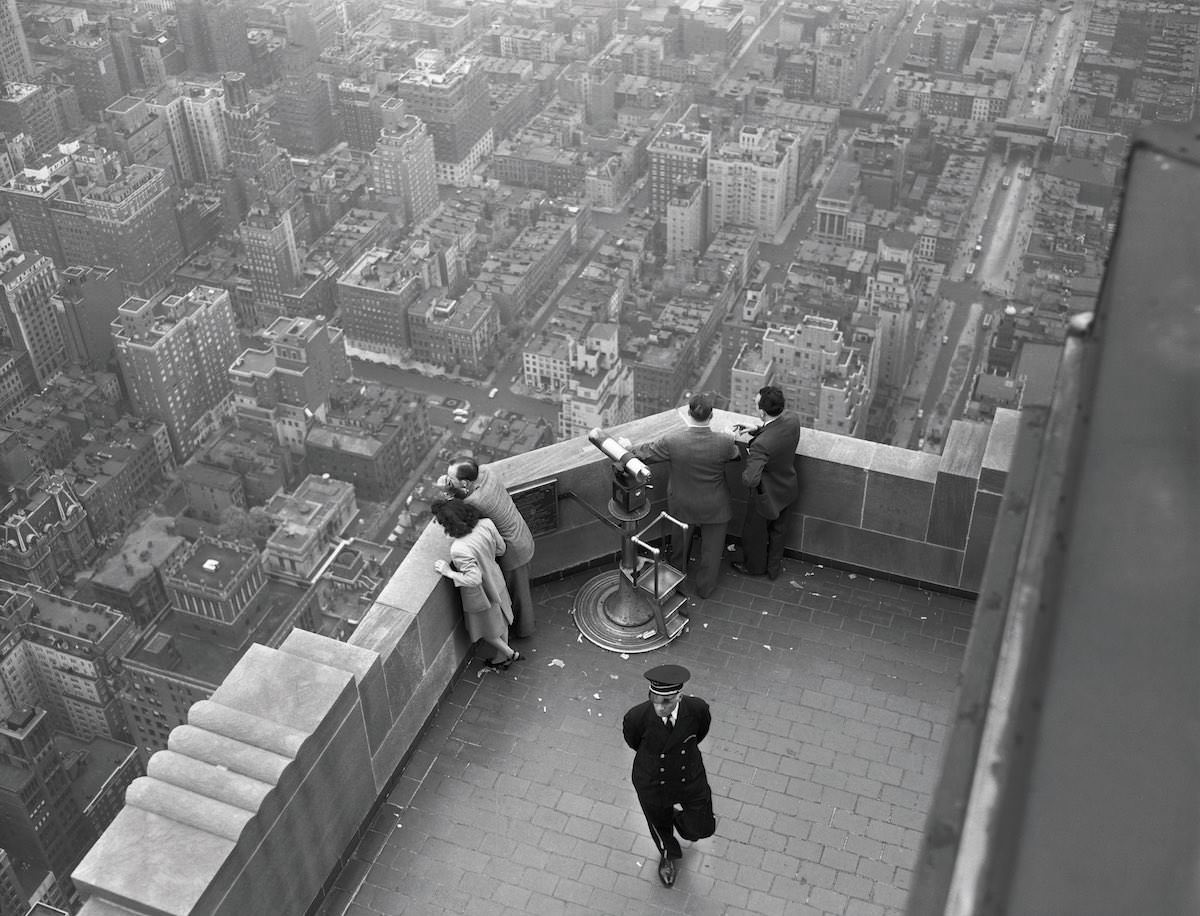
(831,692)
(204,660)
(210,564)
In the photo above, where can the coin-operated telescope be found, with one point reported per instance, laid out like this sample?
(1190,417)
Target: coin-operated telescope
(636,607)
(630,476)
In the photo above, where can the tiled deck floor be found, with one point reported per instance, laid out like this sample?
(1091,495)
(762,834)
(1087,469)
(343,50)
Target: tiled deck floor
(830,695)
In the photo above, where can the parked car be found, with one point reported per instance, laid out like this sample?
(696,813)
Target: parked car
(493,392)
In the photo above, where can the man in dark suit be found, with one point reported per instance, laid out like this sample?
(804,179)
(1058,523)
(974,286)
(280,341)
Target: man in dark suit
(772,485)
(668,772)
(698,494)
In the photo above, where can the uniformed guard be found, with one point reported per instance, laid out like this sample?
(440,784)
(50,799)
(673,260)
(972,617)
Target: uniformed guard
(668,771)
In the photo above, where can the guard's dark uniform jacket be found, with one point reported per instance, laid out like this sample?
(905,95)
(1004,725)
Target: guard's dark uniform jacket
(668,769)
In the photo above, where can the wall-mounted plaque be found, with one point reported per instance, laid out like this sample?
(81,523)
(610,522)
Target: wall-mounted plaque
(538,503)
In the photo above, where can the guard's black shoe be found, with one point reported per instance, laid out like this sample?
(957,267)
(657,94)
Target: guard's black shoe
(666,871)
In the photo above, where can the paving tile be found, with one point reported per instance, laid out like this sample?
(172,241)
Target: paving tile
(520,782)
(853,886)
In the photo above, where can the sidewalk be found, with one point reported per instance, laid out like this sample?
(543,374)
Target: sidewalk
(830,691)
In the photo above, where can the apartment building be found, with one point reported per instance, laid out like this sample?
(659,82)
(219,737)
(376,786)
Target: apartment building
(174,354)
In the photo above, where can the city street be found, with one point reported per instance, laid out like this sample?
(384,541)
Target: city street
(514,361)
(741,64)
(474,393)
(876,92)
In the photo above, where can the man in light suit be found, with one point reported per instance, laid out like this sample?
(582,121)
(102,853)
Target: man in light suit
(772,483)
(698,494)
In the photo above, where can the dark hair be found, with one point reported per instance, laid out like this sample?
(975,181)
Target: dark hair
(700,407)
(465,468)
(456,517)
(770,401)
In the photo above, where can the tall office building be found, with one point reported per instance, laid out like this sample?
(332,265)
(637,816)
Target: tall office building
(132,223)
(358,114)
(13,896)
(132,129)
(16,66)
(376,292)
(284,389)
(823,379)
(687,221)
(260,168)
(890,299)
(82,207)
(86,304)
(40,819)
(63,656)
(93,72)
(753,182)
(452,99)
(678,155)
(174,355)
(193,119)
(29,195)
(881,156)
(26,288)
(31,109)
(269,243)
(599,386)
(302,117)
(204,117)
(404,170)
(214,35)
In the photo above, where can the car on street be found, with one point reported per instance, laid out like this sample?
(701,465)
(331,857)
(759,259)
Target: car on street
(945,339)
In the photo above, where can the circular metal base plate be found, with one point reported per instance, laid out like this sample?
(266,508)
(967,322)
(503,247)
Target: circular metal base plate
(612,614)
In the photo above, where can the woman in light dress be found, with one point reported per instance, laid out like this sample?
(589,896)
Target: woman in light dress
(474,545)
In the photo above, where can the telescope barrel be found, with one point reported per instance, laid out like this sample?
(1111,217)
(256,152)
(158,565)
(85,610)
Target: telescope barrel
(619,455)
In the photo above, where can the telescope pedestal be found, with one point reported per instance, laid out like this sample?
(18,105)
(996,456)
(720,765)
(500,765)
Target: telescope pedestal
(617,615)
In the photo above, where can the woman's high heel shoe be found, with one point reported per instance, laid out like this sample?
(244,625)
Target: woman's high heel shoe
(505,664)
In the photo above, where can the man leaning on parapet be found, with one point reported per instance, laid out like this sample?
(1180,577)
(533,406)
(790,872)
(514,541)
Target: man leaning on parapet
(482,488)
